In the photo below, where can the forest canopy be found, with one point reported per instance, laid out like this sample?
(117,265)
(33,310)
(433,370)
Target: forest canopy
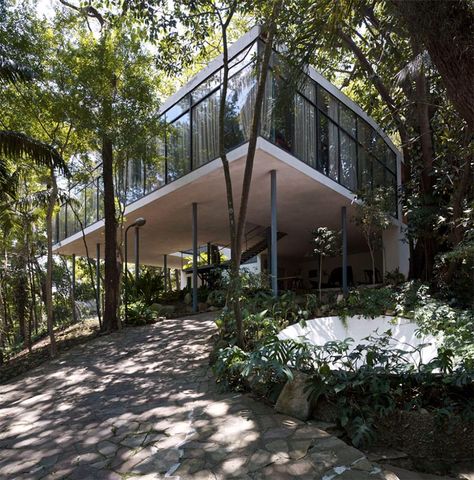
(82,83)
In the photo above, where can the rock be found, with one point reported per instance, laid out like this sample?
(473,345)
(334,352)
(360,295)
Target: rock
(202,306)
(156,307)
(213,309)
(293,400)
(168,310)
(188,298)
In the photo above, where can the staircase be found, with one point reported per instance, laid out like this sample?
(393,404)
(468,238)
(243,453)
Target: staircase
(250,252)
(258,248)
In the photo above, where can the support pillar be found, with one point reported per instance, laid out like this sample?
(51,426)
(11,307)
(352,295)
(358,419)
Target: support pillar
(73,288)
(345,289)
(195,259)
(97,279)
(273,235)
(165,271)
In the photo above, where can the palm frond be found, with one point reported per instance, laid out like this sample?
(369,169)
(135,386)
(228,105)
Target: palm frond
(12,72)
(39,199)
(17,145)
(8,181)
(413,68)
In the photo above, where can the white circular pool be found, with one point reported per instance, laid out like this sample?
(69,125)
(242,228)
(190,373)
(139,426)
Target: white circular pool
(404,333)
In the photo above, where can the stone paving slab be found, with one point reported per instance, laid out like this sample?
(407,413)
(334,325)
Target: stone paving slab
(142,403)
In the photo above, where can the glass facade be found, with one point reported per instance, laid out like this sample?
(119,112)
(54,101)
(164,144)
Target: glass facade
(310,123)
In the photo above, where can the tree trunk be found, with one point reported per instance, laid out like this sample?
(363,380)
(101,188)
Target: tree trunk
(446,29)
(49,263)
(373,263)
(320,274)
(238,231)
(111,277)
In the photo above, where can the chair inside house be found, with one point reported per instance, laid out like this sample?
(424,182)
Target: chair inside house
(368,274)
(313,277)
(335,278)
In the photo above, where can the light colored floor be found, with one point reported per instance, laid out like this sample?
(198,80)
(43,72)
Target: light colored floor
(142,403)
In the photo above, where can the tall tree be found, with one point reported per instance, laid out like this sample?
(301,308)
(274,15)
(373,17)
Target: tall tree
(446,29)
(113,78)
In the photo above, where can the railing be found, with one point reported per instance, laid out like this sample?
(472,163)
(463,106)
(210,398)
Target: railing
(316,127)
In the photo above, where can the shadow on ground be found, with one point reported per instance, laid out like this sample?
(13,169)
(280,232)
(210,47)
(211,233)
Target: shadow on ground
(141,403)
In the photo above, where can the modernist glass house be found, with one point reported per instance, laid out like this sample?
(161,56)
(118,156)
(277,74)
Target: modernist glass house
(321,147)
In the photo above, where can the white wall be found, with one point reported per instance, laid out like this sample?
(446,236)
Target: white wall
(396,249)
(404,333)
(358,261)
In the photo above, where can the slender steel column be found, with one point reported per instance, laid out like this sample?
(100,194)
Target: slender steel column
(137,253)
(73,288)
(97,276)
(125,275)
(165,270)
(273,234)
(195,260)
(345,289)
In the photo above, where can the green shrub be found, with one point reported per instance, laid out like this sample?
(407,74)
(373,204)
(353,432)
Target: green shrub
(139,313)
(148,288)
(365,383)
(216,298)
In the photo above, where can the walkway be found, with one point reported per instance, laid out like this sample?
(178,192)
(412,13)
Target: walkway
(142,404)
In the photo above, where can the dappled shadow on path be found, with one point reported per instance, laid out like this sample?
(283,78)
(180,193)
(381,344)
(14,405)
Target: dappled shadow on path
(142,402)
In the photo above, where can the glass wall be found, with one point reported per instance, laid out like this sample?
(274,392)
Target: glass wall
(178,147)
(310,123)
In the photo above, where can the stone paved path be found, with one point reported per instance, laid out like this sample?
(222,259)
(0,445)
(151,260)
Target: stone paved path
(142,404)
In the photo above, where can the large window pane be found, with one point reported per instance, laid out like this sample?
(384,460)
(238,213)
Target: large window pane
(121,181)
(239,107)
(304,146)
(329,148)
(266,127)
(135,179)
(177,109)
(365,169)
(391,160)
(348,162)
(206,87)
(379,147)
(243,59)
(91,204)
(283,114)
(206,130)
(155,167)
(62,223)
(308,89)
(79,207)
(379,174)
(277,113)
(347,119)
(327,103)
(100,199)
(364,133)
(178,148)
(391,182)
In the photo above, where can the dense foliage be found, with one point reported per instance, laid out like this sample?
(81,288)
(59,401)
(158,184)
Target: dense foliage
(362,382)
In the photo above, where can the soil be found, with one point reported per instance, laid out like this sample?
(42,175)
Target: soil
(65,339)
(417,440)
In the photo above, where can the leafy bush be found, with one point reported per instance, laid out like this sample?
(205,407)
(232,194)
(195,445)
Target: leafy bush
(364,383)
(147,288)
(216,298)
(370,302)
(139,313)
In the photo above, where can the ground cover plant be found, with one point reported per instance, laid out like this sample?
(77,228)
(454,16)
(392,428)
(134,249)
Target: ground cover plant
(366,382)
